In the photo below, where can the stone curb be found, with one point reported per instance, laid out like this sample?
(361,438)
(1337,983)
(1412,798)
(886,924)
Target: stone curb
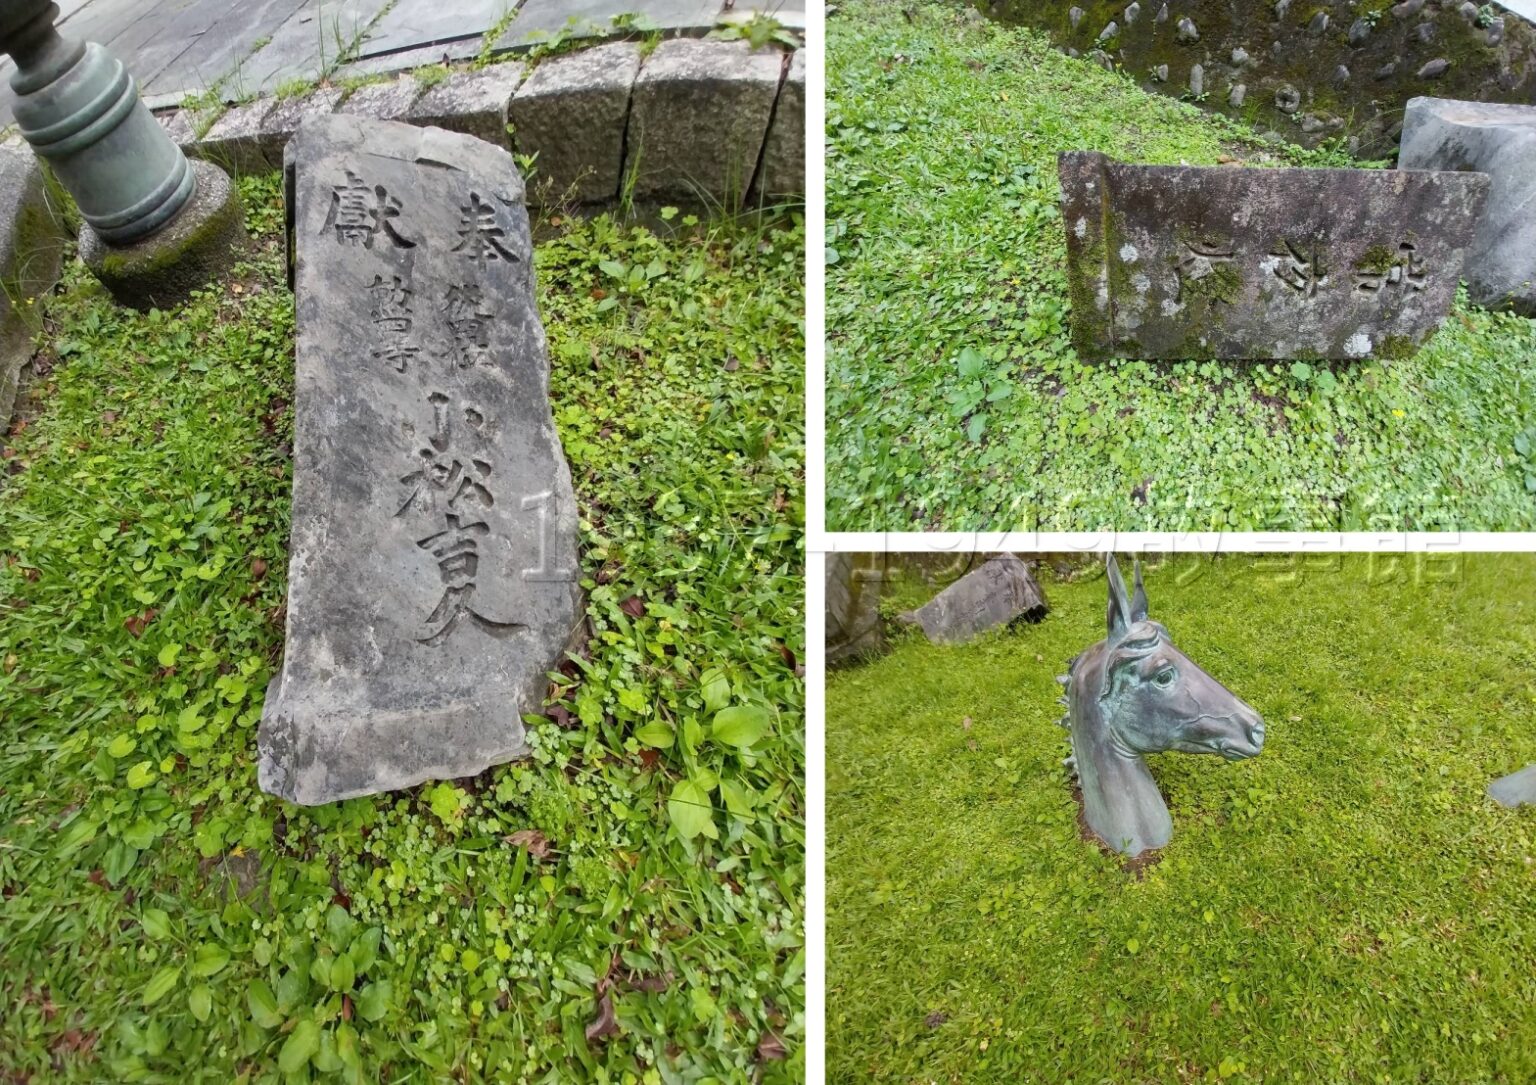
(697,119)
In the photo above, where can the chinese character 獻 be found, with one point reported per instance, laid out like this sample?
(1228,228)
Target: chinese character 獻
(358,212)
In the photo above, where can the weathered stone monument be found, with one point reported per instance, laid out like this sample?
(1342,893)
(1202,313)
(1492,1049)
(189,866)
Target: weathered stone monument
(31,246)
(1134,693)
(853,586)
(1499,140)
(433,568)
(1516,789)
(1226,262)
(1002,591)
(156,226)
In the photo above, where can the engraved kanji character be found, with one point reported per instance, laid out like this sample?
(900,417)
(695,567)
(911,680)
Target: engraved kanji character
(469,321)
(1406,270)
(458,561)
(480,234)
(441,473)
(1199,260)
(358,212)
(391,304)
(398,353)
(1299,269)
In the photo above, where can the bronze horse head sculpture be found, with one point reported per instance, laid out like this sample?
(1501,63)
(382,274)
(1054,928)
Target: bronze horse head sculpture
(1134,693)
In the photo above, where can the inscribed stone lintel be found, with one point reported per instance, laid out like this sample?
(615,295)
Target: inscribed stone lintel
(1227,262)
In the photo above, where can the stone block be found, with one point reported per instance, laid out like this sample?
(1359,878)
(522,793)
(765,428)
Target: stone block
(1227,262)
(699,117)
(280,124)
(433,569)
(571,113)
(32,239)
(474,103)
(235,142)
(391,101)
(1499,140)
(1516,789)
(783,168)
(201,243)
(1002,591)
(178,125)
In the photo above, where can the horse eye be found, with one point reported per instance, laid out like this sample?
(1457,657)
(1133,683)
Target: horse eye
(1165,677)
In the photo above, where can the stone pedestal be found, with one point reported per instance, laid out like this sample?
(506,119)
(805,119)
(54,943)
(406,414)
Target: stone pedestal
(80,110)
(191,250)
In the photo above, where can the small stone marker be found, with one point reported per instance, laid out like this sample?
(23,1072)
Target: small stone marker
(1226,262)
(433,568)
(999,592)
(1499,140)
(1516,789)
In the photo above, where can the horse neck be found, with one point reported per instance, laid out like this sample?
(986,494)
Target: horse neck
(1121,802)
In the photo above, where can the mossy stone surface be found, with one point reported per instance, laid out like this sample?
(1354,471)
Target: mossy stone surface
(202,241)
(1282,48)
(1192,262)
(32,239)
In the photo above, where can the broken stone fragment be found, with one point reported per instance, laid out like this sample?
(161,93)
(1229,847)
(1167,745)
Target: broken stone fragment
(1287,99)
(434,578)
(1237,95)
(999,593)
(1109,31)
(1516,789)
(1239,57)
(1318,24)
(1131,13)
(1359,32)
(1075,17)
(1187,30)
(1160,73)
(1434,69)
(1197,80)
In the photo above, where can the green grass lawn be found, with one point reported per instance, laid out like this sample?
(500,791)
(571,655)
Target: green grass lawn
(1347,907)
(954,399)
(558,919)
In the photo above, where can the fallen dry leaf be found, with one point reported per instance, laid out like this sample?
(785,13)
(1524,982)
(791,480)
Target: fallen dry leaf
(605,1024)
(536,843)
(771,1047)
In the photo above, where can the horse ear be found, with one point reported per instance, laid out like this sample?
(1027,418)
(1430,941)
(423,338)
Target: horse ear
(1138,597)
(1118,617)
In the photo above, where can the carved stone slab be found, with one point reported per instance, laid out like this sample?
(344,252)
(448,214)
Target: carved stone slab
(1516,789)
(1499,140)
(433,565)
(999,592)
(1189,262)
